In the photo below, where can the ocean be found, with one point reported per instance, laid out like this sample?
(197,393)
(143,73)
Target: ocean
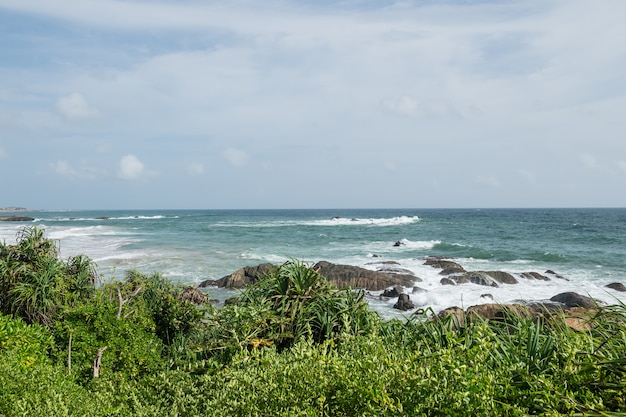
(585,246)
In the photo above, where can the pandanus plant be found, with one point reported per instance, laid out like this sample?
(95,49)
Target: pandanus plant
(35,282)
(297,302)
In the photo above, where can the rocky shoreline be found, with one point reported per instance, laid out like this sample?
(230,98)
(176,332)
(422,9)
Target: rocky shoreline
(16,219)
(397,282)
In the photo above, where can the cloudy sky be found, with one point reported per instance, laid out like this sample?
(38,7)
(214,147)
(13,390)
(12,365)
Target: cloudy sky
(312,104)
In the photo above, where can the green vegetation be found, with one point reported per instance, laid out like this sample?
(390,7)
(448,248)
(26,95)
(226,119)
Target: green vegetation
(291,345)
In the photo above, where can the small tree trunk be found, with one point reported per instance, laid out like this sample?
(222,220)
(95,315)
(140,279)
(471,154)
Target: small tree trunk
(69,355)
(121,301)
(97,362)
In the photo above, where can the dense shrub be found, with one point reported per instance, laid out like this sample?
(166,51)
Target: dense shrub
(292,345)
(35,283)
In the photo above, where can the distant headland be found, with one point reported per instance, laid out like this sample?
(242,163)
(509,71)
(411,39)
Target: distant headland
(12,209)
(14,218)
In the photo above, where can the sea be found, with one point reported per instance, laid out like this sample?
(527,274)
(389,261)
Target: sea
(585,247)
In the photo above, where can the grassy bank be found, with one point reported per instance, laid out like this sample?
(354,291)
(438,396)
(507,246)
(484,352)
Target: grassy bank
(292,345)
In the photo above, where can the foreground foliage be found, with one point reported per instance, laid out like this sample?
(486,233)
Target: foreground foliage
(291,345)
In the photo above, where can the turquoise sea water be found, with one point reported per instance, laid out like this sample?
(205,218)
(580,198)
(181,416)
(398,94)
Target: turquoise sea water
(586,246)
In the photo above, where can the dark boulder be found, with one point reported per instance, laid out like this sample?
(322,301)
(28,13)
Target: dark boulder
(502,277)
(448,267)
(572,299)
(193,295)
(397,272)
(555,275)
(576,318)
(497,311)
(343,276)
(486,278)
(404,303)
(16,219)
(242,277)
(617,286)
(481,278)
(447,281)
(392,292)
(534,275)
(478,278)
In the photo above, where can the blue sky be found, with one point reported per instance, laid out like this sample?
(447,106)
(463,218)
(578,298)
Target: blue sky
(293,104)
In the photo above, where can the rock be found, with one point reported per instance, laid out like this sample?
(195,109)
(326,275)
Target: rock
(502,277)
(455,314)
(398,243)
(102,218)
(497,311)
(448,267)
(572,299)
(617,286)
(391,269)
(16,219)
(486,278)
(193,295)
(489,296)
(450,271)
(544,306)
(555,275)
(404,303)
(392,291)
(343,276)
(242,277)
(461,279)
(534,275)
(447,281)
(479,278)
(576,318)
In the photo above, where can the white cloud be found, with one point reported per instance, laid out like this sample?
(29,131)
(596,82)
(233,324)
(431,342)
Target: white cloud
(64,168)
(283,79)
(130,167)
(195,169)
(74,107)
(85,171)
(235,157)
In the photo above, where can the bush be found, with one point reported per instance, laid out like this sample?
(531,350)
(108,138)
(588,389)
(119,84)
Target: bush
(292,303)
(35,283)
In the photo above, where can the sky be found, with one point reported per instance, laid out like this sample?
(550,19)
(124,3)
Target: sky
(190,104)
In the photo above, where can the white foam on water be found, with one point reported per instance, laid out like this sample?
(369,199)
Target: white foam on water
(270,258)
(335,221)
(341,221)
(8,232)
(439,297)
(409,244)
(104,218)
